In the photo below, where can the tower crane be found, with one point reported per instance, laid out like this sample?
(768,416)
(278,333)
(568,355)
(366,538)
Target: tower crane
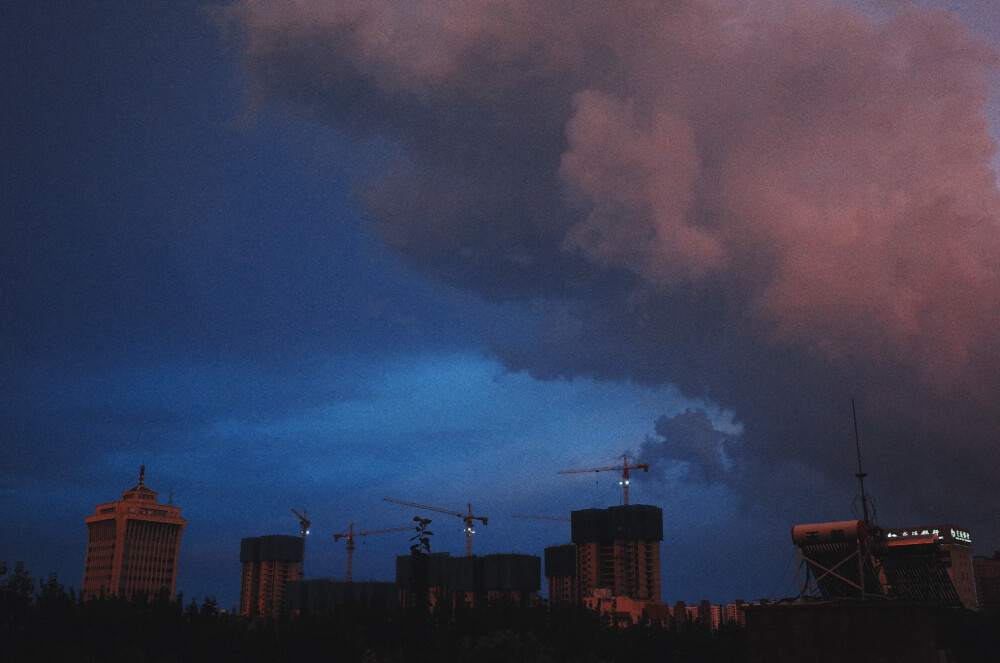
(350,541)
(467,518)
(303,529)
(624,467)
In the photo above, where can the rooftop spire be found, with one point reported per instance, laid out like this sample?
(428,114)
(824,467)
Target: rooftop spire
(142,474)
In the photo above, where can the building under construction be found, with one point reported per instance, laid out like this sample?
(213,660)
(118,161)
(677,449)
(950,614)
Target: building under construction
(615,552)
(475,580)
(561,575)
(270,563)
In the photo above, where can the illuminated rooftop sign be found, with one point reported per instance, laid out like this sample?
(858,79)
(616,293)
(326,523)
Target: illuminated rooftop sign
(942,533)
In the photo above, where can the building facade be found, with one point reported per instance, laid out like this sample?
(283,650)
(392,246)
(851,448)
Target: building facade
(987,573)
(270,563)
(133,547)
(613,564)
(475,580)
(560,573)
(949,546)
(618,550)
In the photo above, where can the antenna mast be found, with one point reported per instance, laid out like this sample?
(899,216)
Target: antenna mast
(860,475)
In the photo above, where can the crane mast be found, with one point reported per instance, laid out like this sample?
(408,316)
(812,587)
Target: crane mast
(466,517)
(350,542)
(624,468)
(303,530)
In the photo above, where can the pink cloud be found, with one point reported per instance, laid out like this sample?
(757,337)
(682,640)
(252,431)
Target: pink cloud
(744,198)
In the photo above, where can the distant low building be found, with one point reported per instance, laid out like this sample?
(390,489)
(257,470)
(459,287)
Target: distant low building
(735,613)
(133,546)
(270,563)
(622,610)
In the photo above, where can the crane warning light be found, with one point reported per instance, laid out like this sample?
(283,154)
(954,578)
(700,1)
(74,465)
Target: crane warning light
(625,467)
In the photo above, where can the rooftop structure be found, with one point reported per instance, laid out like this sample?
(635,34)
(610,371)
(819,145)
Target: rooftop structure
(930,564)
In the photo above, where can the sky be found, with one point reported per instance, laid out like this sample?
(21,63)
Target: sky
(308,255)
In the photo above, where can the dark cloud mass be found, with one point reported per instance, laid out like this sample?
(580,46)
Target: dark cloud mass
(775,206)
(692,439)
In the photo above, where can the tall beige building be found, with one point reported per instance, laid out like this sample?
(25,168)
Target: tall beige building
(133,546)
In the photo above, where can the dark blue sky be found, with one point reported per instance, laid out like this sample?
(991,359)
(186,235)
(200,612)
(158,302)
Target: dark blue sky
(286,267)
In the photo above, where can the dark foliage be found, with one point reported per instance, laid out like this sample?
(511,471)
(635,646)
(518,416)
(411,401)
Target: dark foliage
(42,621)
(45,622)
(418,626)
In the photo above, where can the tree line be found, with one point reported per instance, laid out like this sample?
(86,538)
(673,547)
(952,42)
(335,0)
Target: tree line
(41,620)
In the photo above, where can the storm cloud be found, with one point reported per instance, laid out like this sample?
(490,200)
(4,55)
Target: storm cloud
(691,438)
(774,206)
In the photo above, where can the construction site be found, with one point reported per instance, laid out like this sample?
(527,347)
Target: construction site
(863,590)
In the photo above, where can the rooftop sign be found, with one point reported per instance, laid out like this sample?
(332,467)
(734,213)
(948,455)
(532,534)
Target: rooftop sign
(942,533)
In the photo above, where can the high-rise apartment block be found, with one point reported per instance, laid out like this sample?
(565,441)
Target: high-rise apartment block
(615,553)
(132,546)
(618,549)
(269,564)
